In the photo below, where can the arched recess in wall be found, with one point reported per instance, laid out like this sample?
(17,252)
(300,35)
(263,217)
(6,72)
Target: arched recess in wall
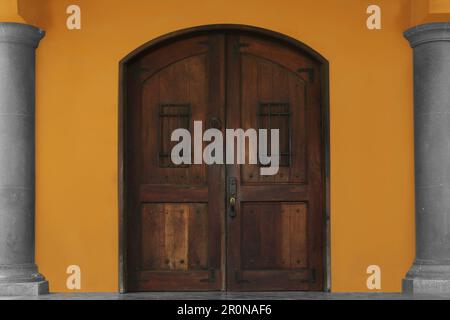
(161,188)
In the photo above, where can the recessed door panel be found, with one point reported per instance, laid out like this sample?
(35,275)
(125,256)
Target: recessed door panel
(275,98)
(174,237)
(274,236)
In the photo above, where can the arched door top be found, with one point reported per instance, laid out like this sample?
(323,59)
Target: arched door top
(226,28)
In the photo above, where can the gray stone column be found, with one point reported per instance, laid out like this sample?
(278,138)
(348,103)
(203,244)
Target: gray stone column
(430,272)
(18,272)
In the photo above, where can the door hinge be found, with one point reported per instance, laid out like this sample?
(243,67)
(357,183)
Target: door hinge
(300,277)
(239,45)
(312,277)
(141,73)
(211,278)
(309,72)
(238,277)
(205,43)
(242,45)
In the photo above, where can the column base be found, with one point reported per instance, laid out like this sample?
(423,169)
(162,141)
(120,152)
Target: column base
(22,280)
(24,288)
(427,277)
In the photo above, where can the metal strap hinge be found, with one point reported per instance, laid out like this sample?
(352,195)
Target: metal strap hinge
(211,278)
(309,72)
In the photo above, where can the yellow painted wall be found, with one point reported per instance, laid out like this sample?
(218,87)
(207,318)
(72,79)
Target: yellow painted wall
(439,6)
(424,11)
(372,213)
(9,11)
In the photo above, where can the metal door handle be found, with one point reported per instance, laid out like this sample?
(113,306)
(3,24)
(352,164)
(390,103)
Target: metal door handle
(232,207)
(232,191)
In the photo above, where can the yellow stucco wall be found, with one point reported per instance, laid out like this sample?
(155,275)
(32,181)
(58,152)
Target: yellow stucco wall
(372,212)
(424,11)
(9,11)
(439,6)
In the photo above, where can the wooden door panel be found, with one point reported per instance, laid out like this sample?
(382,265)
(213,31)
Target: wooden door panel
(275,98)
(175,218)
(276,280)
(275,249)
(170,193)
(179,281)
(274,192)
(172,98)
(174,237)
(275,234)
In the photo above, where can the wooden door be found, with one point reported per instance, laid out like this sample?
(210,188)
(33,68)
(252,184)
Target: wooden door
(181,231)
(275,239)
(175,213)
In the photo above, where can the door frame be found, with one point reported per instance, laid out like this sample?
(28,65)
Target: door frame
(232,28)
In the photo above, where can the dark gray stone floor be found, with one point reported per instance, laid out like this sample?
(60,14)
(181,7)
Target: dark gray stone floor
(232,296)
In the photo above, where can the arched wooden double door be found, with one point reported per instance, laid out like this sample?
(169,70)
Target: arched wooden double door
(181,232)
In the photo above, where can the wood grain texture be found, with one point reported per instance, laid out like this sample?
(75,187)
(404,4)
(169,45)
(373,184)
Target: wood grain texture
(276,241)
(180,235)
(175,213)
